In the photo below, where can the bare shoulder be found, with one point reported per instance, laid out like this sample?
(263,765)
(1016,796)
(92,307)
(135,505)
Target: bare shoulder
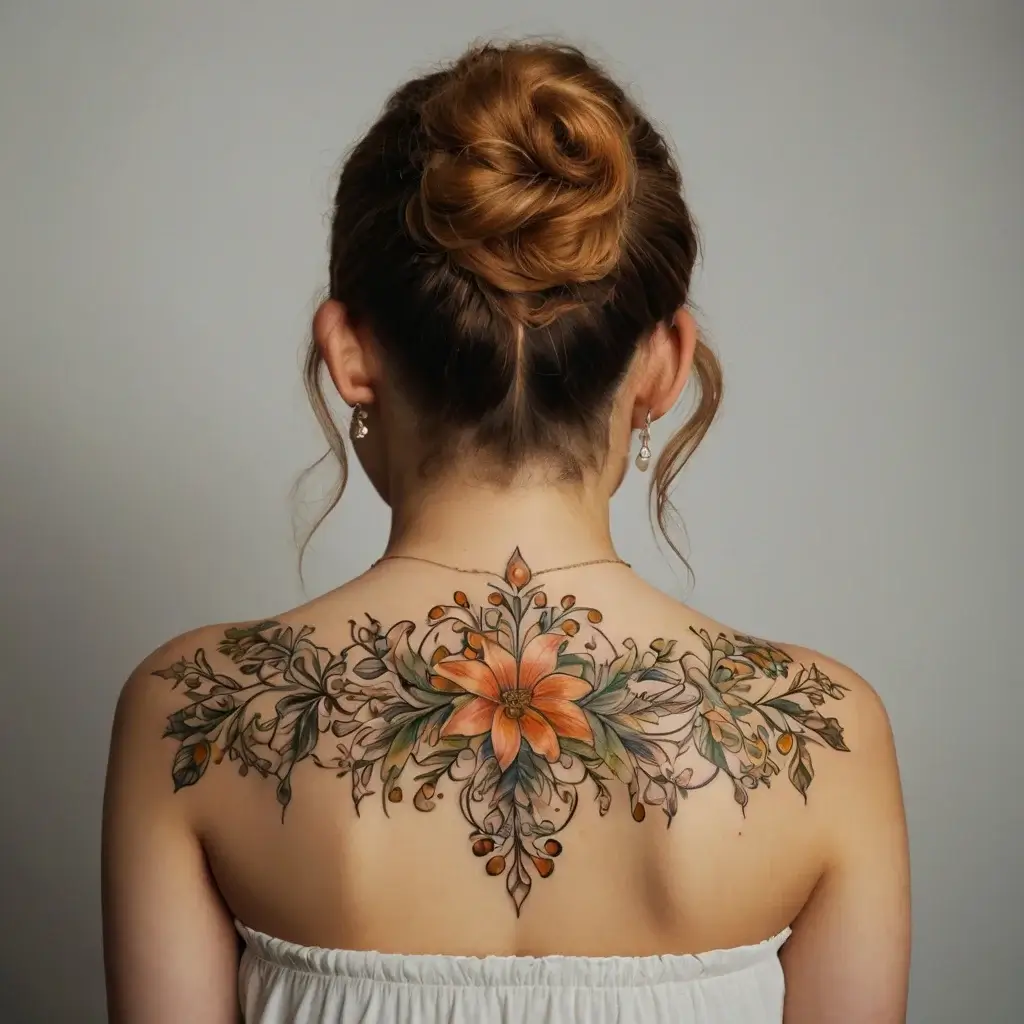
(152,688)
(160,690)
(774,712)
(842,740)
(862,715)
(255,695)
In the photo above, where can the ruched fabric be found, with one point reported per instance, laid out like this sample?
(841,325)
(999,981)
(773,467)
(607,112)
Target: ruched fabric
(283,983)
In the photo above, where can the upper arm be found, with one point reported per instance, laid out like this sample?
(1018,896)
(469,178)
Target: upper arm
(847,961)
(170,948)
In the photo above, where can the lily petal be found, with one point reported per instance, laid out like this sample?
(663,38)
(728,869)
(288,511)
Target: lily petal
(505,737)
(501,664)
(539,659)
(539,734)
(472,676)
(444,685)
(562,686)
(472,719)
(567,718)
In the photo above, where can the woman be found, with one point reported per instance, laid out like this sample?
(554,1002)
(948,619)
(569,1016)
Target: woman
(441,792)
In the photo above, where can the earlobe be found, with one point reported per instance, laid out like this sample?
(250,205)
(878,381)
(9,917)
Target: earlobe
(344,353)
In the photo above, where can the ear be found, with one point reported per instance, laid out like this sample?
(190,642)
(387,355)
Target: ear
(346,352)
(670,352)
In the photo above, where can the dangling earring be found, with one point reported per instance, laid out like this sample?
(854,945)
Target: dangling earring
(359,429)
(643,458)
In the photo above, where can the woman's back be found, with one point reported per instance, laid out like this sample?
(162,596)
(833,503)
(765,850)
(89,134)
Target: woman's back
(368,841)
(568,764)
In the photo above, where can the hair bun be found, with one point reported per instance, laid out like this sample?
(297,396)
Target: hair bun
(528,170)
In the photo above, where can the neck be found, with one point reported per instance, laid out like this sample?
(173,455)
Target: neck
(469,525)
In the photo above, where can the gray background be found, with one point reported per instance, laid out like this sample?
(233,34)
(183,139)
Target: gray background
(857,169)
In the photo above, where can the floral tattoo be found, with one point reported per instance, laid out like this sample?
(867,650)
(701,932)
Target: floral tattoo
(521,704)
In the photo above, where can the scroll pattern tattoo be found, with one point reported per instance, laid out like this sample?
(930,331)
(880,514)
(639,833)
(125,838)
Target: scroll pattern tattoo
(522,704)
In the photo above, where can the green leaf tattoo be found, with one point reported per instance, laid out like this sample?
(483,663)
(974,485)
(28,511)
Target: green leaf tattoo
(521,704)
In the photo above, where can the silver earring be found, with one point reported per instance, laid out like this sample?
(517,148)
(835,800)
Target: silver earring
(359,429)
(643,458)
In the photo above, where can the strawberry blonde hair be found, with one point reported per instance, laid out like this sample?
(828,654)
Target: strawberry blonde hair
(513,228)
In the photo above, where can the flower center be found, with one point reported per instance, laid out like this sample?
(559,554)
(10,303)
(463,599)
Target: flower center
(516,702)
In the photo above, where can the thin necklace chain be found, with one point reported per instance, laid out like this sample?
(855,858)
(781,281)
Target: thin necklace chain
(488,572)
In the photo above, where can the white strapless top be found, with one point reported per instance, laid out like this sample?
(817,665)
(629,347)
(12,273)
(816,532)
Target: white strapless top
(283,983)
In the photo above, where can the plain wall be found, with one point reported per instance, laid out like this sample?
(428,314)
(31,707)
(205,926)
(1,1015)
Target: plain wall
(857,170)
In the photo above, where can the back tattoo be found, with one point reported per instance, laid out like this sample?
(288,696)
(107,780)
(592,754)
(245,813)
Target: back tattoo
(521,704)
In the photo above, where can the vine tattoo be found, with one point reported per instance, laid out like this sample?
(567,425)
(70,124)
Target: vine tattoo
(521,704)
